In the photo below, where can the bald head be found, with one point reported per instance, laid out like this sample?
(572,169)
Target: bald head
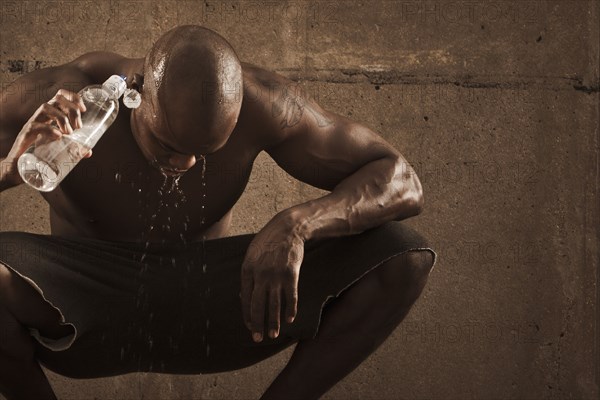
(193,78)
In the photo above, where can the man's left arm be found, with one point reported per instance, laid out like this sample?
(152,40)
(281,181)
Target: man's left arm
(370,183)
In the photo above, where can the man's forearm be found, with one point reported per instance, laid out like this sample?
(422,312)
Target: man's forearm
(383,190)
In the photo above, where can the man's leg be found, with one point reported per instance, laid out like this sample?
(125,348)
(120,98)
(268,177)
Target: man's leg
(353,326)
(21,306)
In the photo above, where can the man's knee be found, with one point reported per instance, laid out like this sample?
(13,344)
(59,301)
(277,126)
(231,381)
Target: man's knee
(419,262)
(406,272)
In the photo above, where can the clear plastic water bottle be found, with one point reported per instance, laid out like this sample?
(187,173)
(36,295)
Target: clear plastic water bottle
(47,162)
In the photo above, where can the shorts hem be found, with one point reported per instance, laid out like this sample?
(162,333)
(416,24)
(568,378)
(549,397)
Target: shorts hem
(60,344)
(315,331)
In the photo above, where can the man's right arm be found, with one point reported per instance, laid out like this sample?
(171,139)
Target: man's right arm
(25,113)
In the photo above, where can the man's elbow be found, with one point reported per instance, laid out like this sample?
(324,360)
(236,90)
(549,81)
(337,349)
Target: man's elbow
(415,201)
(412,200)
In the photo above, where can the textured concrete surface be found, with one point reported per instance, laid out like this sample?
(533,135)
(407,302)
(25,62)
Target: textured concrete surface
(494,102)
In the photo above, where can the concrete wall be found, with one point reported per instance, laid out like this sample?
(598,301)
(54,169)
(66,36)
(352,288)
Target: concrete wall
(494,102)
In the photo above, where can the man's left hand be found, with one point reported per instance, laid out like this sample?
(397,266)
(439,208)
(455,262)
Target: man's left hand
(270,272)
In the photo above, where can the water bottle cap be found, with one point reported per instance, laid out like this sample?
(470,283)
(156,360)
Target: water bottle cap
(132,98)
(116,85)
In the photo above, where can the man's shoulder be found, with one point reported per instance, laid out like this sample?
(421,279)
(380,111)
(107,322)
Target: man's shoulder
(267,95)
(84,70)
(23,96)
(96,65)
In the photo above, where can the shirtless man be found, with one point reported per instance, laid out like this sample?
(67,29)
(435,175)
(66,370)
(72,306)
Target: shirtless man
(199,100)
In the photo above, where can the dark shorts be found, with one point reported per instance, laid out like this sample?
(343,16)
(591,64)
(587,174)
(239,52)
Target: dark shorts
(138,308)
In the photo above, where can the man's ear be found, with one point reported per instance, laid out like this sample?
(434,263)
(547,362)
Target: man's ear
(137,82)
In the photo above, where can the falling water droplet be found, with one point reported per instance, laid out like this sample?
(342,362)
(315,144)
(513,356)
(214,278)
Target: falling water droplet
(122,353)
(118,177)
(173,261)
(203,158)
(204,268)
(207,323)
(207,350)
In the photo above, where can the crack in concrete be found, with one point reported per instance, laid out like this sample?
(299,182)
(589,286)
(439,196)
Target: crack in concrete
(391,77)
(384,77)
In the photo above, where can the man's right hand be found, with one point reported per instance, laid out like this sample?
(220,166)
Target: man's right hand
(59,116)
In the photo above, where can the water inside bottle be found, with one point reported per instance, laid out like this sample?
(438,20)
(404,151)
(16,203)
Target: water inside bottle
(44,166)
